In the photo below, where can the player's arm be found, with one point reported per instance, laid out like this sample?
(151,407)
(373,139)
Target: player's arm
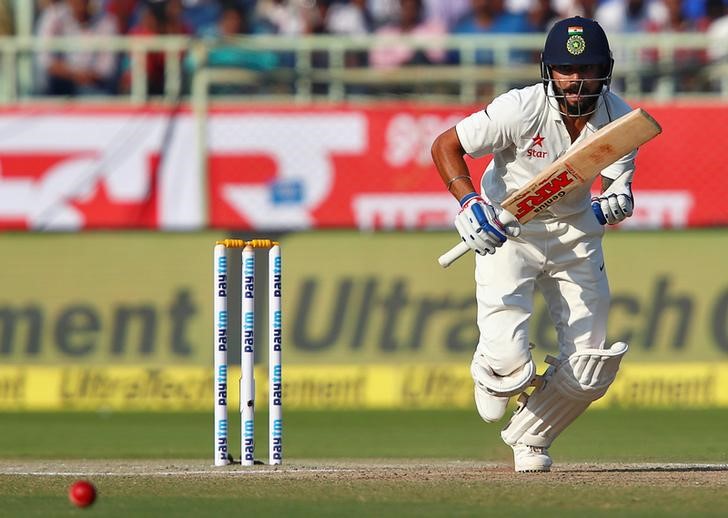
(477,222)
(449,158)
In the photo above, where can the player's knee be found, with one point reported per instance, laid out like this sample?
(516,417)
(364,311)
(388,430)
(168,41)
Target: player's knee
(505,383)
(506,362)
(493,391)
(587,374)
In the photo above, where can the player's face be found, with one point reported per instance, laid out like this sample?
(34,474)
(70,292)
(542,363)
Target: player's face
(578,86)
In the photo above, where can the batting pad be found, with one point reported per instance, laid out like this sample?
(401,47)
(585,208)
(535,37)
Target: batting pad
(568,388)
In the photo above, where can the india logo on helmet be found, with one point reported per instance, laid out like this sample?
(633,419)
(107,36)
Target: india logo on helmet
(575,44)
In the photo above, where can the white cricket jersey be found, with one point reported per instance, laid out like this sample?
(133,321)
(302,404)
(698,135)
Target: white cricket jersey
(525,133)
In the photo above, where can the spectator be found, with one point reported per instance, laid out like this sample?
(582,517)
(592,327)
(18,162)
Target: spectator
(314,21)
(174,18)
(411,22)
(490,17)
(542,15)
(717,30)
(581,8)
(630,16)
(717,14)
(287,17)
(449,12)
(150,23)
(196,16)
(233,21)
(674,20)
(202,16)
(686,63)
(384,12)
(625,17)
(124,11)
(585,8)
(78,72)
(350,19)
(157,17)
(228,53)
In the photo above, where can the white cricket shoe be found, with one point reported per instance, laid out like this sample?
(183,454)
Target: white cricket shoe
(531,458)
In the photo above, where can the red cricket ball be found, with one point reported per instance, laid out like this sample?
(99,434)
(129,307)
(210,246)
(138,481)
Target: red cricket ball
(82,493)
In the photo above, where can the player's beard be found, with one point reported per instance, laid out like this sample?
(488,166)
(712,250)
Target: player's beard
(585,104)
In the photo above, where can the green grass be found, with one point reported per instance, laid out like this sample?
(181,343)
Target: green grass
(599,435)
(183,497)
(606,436)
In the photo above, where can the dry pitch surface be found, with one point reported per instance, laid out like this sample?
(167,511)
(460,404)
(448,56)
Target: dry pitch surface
(396,488)
(612,475)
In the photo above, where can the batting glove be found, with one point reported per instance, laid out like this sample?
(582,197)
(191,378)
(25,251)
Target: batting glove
(616,203)
(480,227)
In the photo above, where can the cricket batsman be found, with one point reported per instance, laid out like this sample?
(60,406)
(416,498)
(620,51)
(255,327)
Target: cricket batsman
(559,252)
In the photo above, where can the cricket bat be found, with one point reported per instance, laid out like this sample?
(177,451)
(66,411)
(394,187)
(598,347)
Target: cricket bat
(579,165)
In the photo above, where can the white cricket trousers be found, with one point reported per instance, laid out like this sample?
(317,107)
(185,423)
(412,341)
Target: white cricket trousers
(563,258)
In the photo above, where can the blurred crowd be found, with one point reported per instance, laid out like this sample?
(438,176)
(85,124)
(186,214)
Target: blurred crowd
(74,73)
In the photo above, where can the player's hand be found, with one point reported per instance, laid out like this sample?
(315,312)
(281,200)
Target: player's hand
(616,203)
(481,228)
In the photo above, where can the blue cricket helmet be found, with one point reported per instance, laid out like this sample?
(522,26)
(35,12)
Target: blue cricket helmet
(576,41)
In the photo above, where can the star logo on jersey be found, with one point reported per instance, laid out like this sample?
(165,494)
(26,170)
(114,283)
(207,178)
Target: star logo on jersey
(537,153)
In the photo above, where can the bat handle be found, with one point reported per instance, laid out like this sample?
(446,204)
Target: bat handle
(597,210)
(453,254)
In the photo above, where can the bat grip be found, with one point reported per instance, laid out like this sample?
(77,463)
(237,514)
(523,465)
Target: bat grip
(597,210)
(453,254)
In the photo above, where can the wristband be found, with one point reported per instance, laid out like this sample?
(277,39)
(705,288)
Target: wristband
(465,199)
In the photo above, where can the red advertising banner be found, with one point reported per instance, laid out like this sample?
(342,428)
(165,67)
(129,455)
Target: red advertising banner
(288,168)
